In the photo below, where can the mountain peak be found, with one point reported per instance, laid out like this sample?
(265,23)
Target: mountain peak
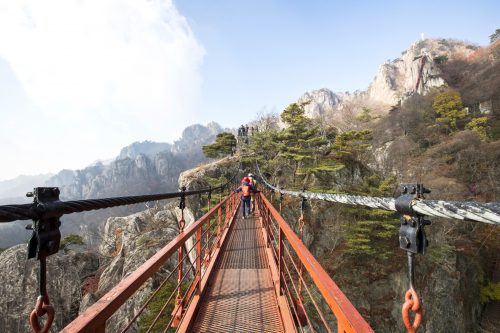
(415,70)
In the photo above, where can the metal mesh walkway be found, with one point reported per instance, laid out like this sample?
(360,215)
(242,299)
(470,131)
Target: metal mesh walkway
(241,295)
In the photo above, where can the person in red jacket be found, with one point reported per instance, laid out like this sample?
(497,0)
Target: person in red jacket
(247,189)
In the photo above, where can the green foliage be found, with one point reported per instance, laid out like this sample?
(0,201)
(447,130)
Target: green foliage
(365,115)
(71,239)
(215,182)
(155,307)
(2,249)
(367,236)
(440,59)
(490,292)
(350,144)
(495,36)
(300,143)
(448,107)
(265,144)
(441,253)
(223,146)
(304,148)
(480,126)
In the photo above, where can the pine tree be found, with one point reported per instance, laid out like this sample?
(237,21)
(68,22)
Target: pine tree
(448,107)
(301,141)
(223,145)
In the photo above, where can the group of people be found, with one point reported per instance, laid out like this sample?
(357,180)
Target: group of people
(247,188)
(245,130)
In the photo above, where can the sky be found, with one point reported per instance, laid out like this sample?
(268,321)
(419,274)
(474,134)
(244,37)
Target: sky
(81,79)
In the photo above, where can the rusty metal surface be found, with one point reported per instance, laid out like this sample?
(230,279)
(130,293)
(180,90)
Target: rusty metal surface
(347,316)
(96,315)
(241,295)
(245,248)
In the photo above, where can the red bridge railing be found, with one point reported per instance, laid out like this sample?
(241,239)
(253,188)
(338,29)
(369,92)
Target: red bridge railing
(315,301)
(305,291)
(194,263)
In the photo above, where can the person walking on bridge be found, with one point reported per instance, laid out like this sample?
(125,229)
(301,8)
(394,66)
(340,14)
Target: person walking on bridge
(246,188)
(253,181)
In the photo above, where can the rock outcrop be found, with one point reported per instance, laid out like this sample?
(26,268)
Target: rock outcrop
(127,243)
(396,80)
(148,148)
(66,272)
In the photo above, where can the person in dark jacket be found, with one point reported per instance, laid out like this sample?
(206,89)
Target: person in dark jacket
(246,190)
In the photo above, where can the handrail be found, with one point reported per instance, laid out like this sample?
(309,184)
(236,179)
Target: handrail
(349,319)
(37,210)
(462,210)
(94,318)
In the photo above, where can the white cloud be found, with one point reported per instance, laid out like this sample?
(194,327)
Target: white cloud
(104,72)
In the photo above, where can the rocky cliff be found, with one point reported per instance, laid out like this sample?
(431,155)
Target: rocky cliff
(77,277)
(66,272)
(396,79)
(129,241)
(142,167)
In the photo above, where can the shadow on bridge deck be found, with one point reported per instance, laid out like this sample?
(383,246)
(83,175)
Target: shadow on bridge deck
(241,296)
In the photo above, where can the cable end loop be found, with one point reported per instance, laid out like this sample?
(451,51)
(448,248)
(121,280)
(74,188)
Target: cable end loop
(412,303)
(42,307)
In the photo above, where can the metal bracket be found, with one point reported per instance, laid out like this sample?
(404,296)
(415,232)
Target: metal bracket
(46,236)
(303,203)
(182,201)
(412,236)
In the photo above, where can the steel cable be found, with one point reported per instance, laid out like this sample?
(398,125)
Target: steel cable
(462,210)
(33,211)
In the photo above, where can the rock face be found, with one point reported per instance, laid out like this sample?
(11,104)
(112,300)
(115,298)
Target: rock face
(197,178)
(148,148)
(396,80)
(319,102)
(142,167)
(66,272)
(127,243)
(449,294)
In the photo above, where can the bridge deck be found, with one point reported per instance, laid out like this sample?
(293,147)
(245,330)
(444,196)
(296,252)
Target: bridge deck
(240,297)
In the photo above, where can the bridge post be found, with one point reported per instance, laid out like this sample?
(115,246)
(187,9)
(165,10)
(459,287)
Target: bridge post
(219,218)
(198,260)
(281,249)
(268,226)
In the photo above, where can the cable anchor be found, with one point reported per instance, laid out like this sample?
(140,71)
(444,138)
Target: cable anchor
(44,242)
(281,201)
(413,240)
(182,205)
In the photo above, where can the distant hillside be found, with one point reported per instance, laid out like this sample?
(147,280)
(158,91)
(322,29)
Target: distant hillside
(141,168)
(17,187)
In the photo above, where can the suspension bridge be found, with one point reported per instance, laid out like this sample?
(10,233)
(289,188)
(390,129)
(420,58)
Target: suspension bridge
(232,274)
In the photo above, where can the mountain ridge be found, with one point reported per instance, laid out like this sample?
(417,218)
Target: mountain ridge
(395,81)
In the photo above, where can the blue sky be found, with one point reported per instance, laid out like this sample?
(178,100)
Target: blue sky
(81,79)
(262,55)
